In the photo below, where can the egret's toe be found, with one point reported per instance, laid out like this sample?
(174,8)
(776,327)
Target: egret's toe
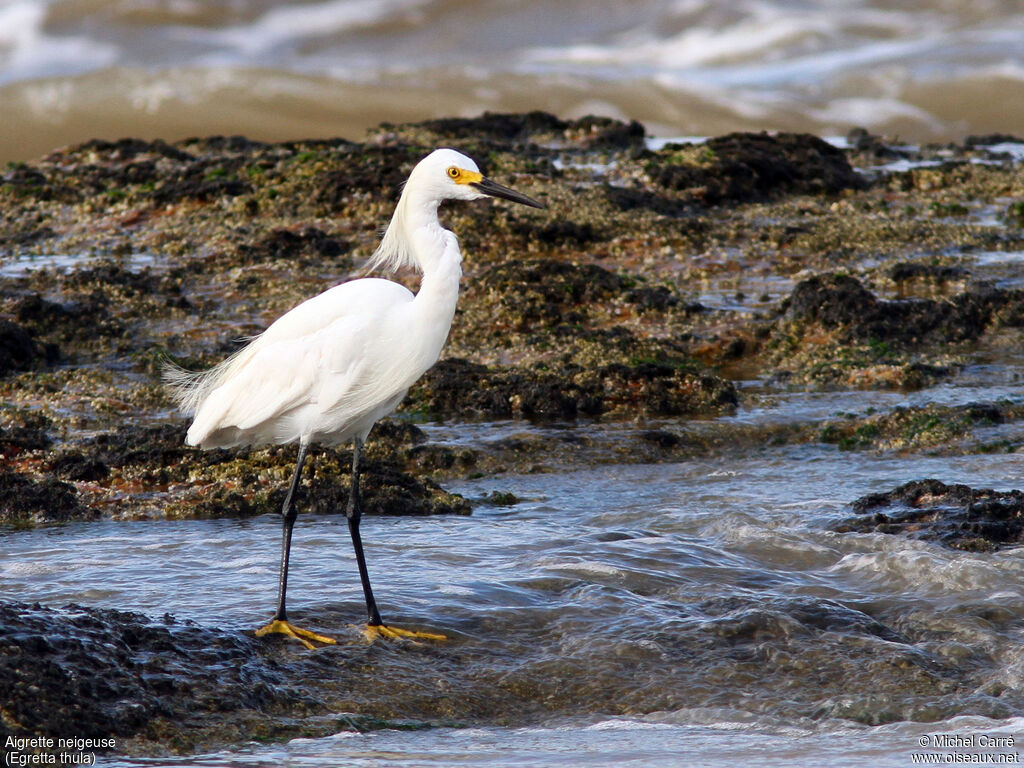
(302,635)
(375,631)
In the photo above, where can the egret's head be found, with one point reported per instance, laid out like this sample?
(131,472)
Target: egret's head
(450,175)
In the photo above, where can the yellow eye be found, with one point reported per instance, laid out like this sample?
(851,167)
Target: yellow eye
(454,172)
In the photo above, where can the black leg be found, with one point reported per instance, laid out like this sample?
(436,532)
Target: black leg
(289,514)
(354,513)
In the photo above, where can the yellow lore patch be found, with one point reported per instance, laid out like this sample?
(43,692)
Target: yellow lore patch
(462,176)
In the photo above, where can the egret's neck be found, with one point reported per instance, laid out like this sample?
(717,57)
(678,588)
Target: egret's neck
(434,250)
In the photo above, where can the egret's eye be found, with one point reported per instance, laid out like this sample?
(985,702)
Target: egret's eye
(454,172)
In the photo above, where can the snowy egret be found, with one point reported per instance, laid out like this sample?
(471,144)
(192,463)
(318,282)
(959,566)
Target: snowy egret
(326,371)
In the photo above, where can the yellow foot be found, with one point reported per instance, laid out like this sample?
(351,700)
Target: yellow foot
(373,631)
(302,635)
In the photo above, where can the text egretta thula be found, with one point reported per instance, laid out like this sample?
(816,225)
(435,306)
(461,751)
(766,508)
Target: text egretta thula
(326,371)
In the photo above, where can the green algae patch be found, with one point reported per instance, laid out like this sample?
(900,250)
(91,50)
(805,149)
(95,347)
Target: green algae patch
(929,429)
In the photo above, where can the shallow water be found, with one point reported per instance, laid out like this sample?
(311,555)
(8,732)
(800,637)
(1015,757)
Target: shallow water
(590,555)
(25,264)
(72,71)
(680,740)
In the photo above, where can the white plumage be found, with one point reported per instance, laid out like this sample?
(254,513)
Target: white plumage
(326,371)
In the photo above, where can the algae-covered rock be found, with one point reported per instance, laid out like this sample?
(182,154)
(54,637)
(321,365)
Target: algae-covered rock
(26,500)
(831,329)
(169,686)
(748,166)
(937,428)
(103,673)
(297,245)
(628,298)
(842,303)
(456,387)
(521,128)
(526,294)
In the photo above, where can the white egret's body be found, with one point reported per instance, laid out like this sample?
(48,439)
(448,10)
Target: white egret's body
(326,371)
(329,369)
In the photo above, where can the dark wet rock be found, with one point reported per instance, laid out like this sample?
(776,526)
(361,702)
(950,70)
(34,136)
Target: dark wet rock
(72,465)
(226,482)
(19,350)
(558,233)
(293,244)
(656,298)
(537,126)
(833,330)
(222,502)
(205,184)
(25,431)
(384,489)
(18,439)
(460,387)
(27,182)
(77,670)
(26,500)
(603,132)
(456,387)
(224,144)
(742,167)
(916,270)
(954,515)
(842,302)
(156,171)
(500,499)
(158,445)
(664,390)
(129,149)
(631,199)
(396,433)
(83,319)
(660,437)
(366,170)
(498,126)
(109,275)
(25,235)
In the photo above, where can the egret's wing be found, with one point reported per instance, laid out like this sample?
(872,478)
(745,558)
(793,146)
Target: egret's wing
(367,298)
(276,379)
(308,359)
(387,366)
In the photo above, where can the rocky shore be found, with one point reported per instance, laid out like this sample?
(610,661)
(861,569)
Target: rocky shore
(115,256)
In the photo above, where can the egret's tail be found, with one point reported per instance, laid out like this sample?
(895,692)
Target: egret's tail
(188,388)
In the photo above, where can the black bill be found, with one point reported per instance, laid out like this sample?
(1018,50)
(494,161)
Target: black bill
(494,189)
